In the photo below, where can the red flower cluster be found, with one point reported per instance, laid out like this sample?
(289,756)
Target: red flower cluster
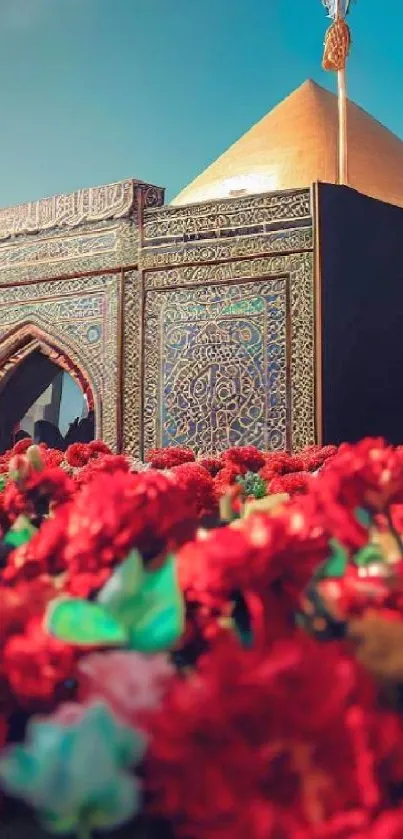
(280,752)
(295,483)
(314,457)
(22,446)
(264,730)
(367,476)
(269,557)
(236,462)
(79,454)
(35,491)
(281,463)
(95,520)
(168,458)
(30,663)
(108,465)
(108,517)
(36,664)
(282,472)
(212,464)
(123,511)
(226,478)
(248,458)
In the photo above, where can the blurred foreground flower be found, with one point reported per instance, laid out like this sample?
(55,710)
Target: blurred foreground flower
(129,682)
(76,771)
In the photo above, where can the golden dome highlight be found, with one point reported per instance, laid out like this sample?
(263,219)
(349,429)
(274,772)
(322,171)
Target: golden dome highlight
(296,145)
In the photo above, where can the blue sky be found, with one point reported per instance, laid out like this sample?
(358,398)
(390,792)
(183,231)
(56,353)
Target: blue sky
(92,91)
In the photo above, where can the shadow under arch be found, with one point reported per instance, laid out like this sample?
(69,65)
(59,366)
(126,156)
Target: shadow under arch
(29,360)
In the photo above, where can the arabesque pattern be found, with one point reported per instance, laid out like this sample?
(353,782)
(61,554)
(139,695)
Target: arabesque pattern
(220,349)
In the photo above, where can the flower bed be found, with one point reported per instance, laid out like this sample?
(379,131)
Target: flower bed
(203,647)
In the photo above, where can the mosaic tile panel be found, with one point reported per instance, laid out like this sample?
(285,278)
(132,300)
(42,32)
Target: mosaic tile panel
(216,366)
(299,268)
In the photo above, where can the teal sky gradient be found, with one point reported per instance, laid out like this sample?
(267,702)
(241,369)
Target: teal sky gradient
(93,91)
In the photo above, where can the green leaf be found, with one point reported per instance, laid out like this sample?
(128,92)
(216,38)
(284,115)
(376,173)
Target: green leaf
(21,533)
(84,624)
(368,555)
(157,615)
(363,517)
(2,482)
(252,485)
(242,624)
(118,593)
(337,563)
(60,825)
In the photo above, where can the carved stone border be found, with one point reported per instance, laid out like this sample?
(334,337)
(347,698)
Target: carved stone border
(215,217)
(132,363)
(288,240)
(299,268)
(58,253)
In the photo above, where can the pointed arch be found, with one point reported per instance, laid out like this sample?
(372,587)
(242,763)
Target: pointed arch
(18,343)
(17,346)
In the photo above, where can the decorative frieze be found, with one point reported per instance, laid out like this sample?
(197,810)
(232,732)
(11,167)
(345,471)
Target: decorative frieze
(232,215)
(278,241)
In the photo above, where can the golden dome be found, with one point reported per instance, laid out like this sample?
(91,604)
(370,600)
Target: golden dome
(296,145)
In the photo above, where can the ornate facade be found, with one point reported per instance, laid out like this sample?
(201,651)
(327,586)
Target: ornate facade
(226,317)
(183,325)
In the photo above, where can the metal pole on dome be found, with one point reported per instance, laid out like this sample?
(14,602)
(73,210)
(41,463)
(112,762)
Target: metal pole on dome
(342,107)
(337,48)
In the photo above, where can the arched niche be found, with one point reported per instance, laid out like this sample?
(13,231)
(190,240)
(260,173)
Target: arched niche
(29,362)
